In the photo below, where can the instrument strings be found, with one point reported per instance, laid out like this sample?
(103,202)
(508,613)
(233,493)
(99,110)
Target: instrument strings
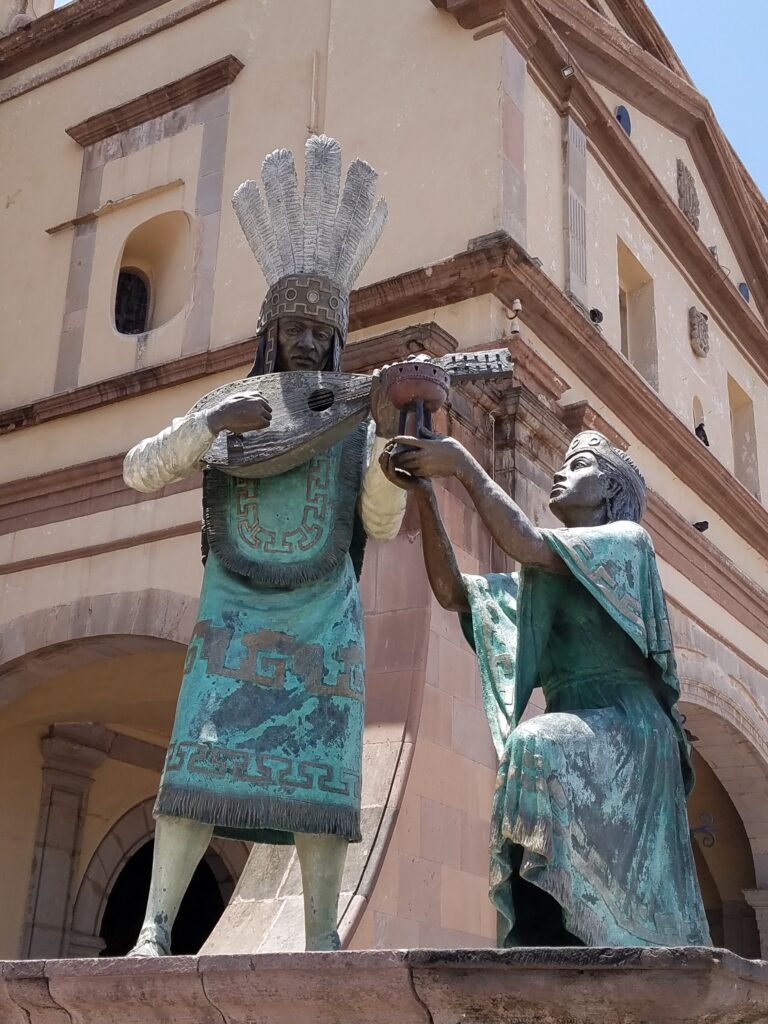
(299,403)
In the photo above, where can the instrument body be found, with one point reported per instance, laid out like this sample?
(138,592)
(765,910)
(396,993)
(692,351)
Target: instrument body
(312,410)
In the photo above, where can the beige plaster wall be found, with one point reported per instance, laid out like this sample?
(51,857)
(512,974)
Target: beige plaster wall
(682,374)
(545,183)
(661,148)
(139,690)
(393,89)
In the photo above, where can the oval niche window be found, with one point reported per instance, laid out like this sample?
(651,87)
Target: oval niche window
(154,276)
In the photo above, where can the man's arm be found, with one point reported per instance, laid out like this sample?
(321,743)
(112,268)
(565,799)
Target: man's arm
(382,504)
(171,455)
(175,452)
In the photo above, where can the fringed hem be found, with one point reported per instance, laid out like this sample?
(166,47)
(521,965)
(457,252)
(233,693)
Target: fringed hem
(217,489)
(254,817)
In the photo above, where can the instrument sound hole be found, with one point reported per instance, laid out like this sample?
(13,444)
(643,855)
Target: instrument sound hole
(321,399)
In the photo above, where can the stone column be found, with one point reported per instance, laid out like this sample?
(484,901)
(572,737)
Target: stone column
(575,166)
(758,900)
(68,769)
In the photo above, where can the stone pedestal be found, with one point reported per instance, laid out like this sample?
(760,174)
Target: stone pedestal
(526,986)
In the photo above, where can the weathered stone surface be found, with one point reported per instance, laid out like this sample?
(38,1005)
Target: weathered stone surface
(421,986)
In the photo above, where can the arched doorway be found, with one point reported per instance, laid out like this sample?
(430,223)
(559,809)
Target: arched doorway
(113,892)
(200,909)
(724,863)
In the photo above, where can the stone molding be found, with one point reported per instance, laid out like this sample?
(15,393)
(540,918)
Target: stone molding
(64,28)
(30,56)
(157,102)
(44,643)
(535,28)
(57,495)
(496,265)
(358,357)
(67,774)
(524,986)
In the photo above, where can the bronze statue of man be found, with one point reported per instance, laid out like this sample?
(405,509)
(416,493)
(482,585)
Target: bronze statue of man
(267,739)
(589,834)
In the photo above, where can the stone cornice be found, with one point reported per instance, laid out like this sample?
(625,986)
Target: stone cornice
(157,102)
(638,20)
(606,55)
(64,28)
(491,265)
(637,74)
(358,357)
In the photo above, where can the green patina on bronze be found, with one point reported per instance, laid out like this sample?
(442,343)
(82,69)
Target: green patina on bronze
(267,739)
(608,762)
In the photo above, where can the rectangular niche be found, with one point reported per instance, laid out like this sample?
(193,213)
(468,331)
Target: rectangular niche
(637,315)
(744,437)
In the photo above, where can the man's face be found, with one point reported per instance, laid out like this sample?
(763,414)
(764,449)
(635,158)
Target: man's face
(303,344)
(578,488)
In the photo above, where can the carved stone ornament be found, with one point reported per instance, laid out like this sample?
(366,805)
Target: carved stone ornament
(698,331)
(687,196)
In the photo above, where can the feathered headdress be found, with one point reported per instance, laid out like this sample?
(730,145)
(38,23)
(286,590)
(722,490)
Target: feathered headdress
(311,248)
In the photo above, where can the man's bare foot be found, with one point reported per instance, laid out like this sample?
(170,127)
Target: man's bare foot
(152,941)
(324,942)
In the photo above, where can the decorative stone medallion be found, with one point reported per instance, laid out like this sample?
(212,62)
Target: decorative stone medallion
(687,196)
(698,331)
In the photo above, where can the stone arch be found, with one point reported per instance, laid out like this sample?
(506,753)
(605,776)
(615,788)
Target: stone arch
(226,859)
(720,699)
(724,741)
(43,643)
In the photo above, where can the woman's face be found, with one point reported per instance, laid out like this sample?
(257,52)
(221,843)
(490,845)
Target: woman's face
(578,495)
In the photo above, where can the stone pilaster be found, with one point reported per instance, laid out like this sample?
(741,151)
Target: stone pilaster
(758,900)
(575,196)
(514,200)
(68,770)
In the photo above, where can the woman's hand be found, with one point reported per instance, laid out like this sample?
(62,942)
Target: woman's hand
(437,456)
(405,481)
(385,415)
(240,413)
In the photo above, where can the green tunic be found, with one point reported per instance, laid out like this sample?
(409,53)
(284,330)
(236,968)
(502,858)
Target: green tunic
(267,739)
(590,802)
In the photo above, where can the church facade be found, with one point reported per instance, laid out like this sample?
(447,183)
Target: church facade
(556,184)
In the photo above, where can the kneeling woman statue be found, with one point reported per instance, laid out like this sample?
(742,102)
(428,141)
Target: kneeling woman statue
(589,834)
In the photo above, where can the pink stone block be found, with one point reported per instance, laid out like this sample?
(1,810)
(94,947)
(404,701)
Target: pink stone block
(441,828)
(436,723)
(474,845)
(419,889)
(457,671)
(471,734)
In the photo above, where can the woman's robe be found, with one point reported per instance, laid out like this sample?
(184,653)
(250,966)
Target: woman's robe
(590,800)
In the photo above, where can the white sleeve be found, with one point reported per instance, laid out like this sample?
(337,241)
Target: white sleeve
(171,455)
(382,504)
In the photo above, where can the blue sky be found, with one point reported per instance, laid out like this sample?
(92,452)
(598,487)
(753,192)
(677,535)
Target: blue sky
(723,47)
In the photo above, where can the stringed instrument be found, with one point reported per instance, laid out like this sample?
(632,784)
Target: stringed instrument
(312,410)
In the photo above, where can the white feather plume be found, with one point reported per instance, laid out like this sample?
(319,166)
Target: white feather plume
(281,188)
(254,220)
(313,234)
(372,234)
(354,211)
(322,178)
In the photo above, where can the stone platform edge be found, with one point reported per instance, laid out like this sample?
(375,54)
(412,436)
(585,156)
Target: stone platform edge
(684,985)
